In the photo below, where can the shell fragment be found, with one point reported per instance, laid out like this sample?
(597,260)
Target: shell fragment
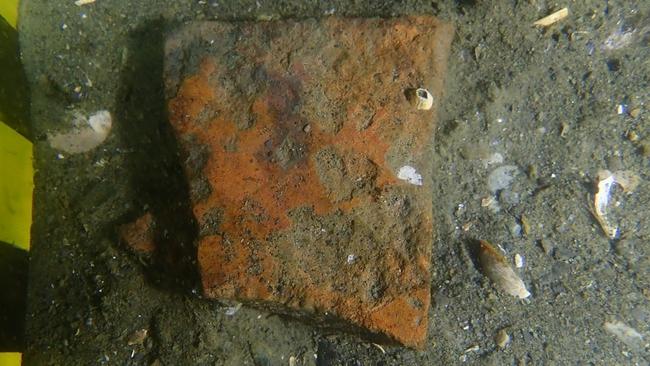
(420,98)
(496,268)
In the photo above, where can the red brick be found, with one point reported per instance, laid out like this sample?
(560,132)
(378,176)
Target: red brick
(292,135)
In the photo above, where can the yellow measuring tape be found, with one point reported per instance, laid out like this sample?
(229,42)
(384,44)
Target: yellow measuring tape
(9,11)
(15,192)
(16,188)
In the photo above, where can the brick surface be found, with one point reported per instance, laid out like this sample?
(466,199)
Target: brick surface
(293,135)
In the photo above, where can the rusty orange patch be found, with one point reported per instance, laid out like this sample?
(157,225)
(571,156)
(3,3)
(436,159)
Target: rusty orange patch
(309,121)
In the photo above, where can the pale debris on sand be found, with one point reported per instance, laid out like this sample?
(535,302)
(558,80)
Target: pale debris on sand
(87,133)
(502,275)
(606,179)
(409,174)
(626,334)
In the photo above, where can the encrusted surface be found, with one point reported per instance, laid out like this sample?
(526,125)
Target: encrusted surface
(293,134)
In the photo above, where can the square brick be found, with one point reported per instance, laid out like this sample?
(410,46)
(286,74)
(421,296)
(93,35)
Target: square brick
(309,169)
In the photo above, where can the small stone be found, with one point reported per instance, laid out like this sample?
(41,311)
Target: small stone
(139,234)
(632,136)
(525,225)
(564,129)
(138,337)
(515,230)
(634,113)
(502,339)
(644,148)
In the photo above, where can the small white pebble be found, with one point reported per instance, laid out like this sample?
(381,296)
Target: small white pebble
(519,260)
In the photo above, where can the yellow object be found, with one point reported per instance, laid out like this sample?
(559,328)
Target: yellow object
(9,11)
(10,359)
(16,185)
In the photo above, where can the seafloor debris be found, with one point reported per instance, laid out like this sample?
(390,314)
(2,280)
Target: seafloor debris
(502,338)
(606,180)
(626,334)
(496,268)
(420,98)
(501,177)
(553,18)
(87,133)
(138,337)
(409,174)
(232,310)
(83,2)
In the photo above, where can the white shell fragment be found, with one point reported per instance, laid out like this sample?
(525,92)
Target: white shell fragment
(519,260)
(232,310)
(496,268)
(86,134)
(83,2)
(626,334)
(606,180)
(409,174)
(420,98)
(552,18)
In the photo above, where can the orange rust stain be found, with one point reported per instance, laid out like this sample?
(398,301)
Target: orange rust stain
(242,176)
(403,318)
(197,93)
(256,193)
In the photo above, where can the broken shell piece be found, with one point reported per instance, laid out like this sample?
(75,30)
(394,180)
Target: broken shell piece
(409,174)
(552,18)
(86,134)
(420,98)
(606,179)
(232,310)
(496,268)
(519,260)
